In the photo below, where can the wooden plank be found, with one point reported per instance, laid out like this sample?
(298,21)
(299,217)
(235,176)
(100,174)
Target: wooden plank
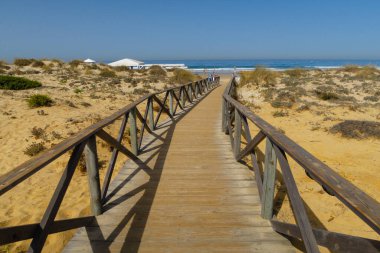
(24,232)
(151,114)
(92,167)
(133,131)
(336,242)
(270,167)
(237,137)
(186,194)
(171,106)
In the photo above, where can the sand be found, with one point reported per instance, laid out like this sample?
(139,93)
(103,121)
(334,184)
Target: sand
(81,98)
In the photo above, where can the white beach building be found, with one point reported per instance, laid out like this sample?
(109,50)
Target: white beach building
(89,61)
(131,63)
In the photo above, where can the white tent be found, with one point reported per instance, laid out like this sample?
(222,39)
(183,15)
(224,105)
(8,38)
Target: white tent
(127,62)
(89,61)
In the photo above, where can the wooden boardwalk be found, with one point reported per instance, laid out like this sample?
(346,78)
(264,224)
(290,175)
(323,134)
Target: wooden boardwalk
(186,194)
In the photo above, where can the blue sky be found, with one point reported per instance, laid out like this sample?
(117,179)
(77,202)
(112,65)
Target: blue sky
(168,29)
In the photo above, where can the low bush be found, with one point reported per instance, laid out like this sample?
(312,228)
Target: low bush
(157,71)
(350,68)
(371,98)
(357,129)
(325,93)
(75,63)
(34,149)
(39,100)
(107,73)
(38,64)
(259,76)
(17,83)
(280,114)
(295,73)
(281,104)
(23,62)
(182,76)
(38,133)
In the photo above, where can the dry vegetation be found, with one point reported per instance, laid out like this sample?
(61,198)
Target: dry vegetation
(335,115)
(43,102)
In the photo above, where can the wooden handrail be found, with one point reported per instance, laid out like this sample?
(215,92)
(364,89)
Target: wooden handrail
(358,201)
(85,140)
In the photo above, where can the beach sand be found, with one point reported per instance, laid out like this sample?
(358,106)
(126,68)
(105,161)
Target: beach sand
(81,98)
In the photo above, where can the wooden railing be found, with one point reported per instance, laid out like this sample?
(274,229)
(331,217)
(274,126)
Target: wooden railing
(278,147)
(85,142)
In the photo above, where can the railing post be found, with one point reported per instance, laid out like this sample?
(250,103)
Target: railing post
(196,89)
(150,113)
(133,130)
(171,107)
(224,118)
(237,138)
(269,179)
(182,96)
(190,92)
(92,167)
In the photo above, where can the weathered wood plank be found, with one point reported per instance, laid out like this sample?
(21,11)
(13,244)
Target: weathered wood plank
(92,167)
(269,179)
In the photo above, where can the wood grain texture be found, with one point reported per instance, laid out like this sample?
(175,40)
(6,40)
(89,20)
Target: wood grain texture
(186,194)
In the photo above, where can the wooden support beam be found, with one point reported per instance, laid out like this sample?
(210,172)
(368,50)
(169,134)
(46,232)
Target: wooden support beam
(296,203)
(133,131)
(24,232)
(151,114)
(92,166)
(42,232)
(182,96)
(114,155)
(171,105)
(336,242)
(237,138)
(251,145)
(113,142)
(255,165)
(269,179)
(224,125)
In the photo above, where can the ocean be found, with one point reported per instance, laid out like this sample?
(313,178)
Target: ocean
(228,66)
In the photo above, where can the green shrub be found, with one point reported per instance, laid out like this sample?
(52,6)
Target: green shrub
(107,73)
(22,62)
(39,100)
(17,83)
(182,76)
(157,71)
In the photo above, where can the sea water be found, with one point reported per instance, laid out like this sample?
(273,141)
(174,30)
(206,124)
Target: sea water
(229,66)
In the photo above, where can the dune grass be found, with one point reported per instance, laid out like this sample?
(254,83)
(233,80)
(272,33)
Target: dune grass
(258,77)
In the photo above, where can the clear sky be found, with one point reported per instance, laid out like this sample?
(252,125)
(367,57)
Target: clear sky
(204,29)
